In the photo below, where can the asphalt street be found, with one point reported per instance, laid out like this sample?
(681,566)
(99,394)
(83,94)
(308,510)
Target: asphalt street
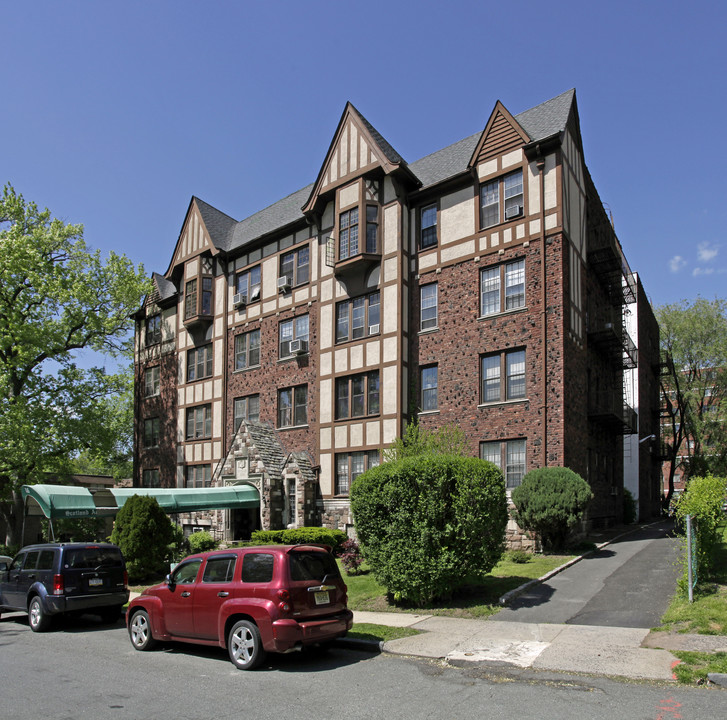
(626,584)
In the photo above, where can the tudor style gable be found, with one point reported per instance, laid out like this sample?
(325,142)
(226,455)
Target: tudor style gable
(501,135)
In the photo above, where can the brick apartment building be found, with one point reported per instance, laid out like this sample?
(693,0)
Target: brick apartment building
(482,285)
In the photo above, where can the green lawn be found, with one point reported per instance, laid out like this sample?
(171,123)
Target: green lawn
(477,600)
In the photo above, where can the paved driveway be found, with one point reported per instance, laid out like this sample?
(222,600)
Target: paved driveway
(628,583)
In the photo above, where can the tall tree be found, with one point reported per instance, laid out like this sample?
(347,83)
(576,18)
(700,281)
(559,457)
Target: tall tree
(694,387)
(57,298)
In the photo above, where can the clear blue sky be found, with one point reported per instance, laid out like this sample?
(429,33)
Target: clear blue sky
(114,114)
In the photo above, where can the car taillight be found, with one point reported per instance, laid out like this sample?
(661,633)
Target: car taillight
(284,605)
(58,584)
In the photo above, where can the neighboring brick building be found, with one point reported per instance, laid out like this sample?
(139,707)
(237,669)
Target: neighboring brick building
(482,285)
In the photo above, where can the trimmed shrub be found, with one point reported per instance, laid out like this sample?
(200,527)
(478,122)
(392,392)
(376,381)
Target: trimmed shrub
(551,502)
(426,524)
(143,532)
(201,542)
(703,499)
(301,536)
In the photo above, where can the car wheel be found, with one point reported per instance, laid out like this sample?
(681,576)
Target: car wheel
(245,646)
(110,614)
(140,631)
(38,620)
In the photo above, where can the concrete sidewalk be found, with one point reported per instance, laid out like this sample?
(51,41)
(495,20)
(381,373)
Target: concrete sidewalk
(626,652)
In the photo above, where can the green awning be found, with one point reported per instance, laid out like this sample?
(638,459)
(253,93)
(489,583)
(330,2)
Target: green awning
(69,501)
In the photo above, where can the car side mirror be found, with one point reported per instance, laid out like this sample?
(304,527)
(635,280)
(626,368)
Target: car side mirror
(168,580)
(3,566)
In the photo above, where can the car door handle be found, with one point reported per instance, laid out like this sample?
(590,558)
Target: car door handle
(186,593)
(223,593)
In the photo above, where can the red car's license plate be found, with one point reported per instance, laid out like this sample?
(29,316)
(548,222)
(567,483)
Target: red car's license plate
(322,598)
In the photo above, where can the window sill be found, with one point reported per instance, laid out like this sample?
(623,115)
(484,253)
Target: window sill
(358,339)
(428,412)
(288,358)
(502,313)
(497,403)
(428,331)
(293,427)
(520,218)
(247,369)
(207,377)
(357,418)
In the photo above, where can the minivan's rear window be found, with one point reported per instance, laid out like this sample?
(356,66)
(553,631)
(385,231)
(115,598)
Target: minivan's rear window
(257,567)
(91,558)
(312,565)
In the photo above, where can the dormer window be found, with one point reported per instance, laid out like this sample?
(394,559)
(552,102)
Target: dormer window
(501,199)
(198,299)
(358,242)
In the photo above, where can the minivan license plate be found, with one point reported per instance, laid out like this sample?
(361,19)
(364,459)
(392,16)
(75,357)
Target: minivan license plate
(95,582)
(322,598)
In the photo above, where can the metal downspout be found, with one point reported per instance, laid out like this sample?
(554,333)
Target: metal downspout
(544,310)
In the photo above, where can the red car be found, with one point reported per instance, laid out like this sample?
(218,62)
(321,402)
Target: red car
(251,600)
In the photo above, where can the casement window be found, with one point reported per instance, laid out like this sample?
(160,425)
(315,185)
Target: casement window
(495,367)
(247,350)
(293,406)
(428,295)
(199,422)
(428,400)
(295,266)
(150,478)
(358,318)
(501,199)
(248,284)
(502,287)
(153,330)
(294,329)
(197,476)
(348,234)
(350,465)
(358,395)
(198,297)
(372,229)
(199,363)
(246,408)
(151,432)
(428,226)
(509,456)
(151,381)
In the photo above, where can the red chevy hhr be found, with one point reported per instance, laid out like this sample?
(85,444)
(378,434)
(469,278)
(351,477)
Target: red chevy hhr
(250,600)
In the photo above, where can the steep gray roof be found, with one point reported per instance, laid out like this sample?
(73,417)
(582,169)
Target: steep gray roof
(540,122)
(165,288)
(266,441)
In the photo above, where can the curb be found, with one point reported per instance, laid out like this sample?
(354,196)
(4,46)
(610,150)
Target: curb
(512,594)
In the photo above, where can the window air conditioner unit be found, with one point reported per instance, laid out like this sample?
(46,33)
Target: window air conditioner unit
(298,347)
(374,329)
(240,300)
(513,212)
(283,284)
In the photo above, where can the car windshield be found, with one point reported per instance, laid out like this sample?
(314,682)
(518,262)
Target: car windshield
(312,565)
(91,558)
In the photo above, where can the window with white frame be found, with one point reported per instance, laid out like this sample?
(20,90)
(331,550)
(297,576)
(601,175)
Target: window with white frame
(428,295)
(350,465)
(502,287)
(429,384)
(494,367)
(295,266)
(197,476)
(357,395)
(501,199)
(249,283)
(293,406)
(509,456)
(294,329)
(428,226)
(151,381)
(199,422)
(247,350)
(358,317)
(199,363)
(246,408)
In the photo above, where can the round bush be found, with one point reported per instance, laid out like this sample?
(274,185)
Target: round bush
(428,524)
(551,501)
(201,541)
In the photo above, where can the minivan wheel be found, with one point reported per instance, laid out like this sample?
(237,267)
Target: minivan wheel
(245,646)
(38,620)
(140,631)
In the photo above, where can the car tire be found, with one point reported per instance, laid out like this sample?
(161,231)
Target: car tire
(140,631)
(110,614)
(38,619)
(245,645)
